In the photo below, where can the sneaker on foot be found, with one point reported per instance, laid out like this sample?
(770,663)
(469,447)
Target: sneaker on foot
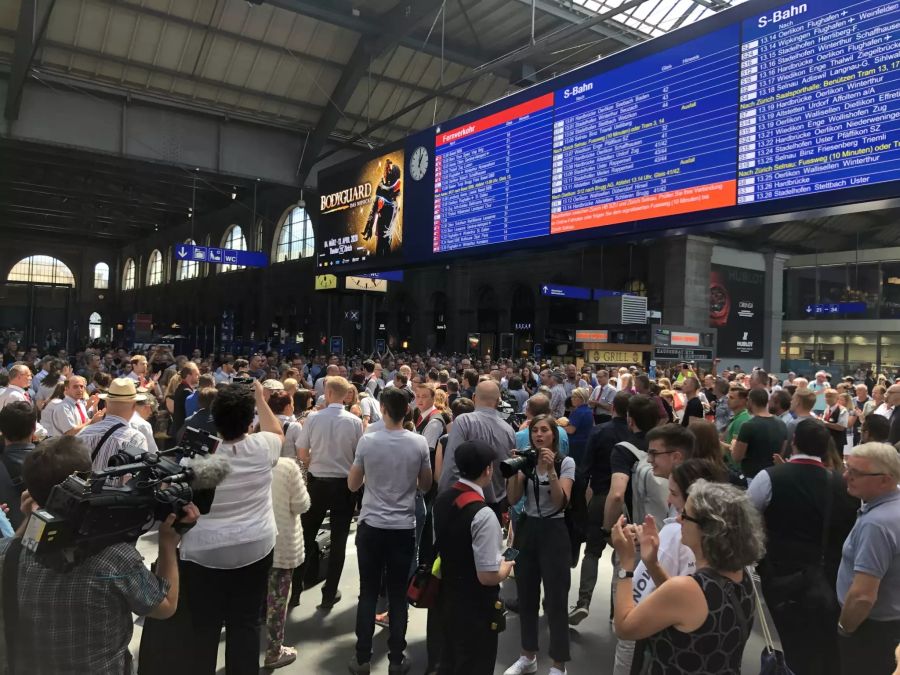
(287,656)
(556,671)
(522,666)
(578,614)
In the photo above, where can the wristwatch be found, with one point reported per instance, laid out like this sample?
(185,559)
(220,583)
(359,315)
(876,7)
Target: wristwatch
(625,574)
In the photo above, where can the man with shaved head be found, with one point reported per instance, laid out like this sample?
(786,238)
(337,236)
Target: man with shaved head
(484,424)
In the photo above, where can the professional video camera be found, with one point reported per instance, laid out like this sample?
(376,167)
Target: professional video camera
(88,512)
(524,461)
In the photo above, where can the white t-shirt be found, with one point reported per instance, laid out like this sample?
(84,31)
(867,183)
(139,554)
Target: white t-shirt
(674,557)
(240,527)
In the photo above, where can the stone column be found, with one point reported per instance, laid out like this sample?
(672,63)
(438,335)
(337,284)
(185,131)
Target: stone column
(680,268)
(774,311)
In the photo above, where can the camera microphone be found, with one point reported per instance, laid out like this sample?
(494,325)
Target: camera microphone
(209,470)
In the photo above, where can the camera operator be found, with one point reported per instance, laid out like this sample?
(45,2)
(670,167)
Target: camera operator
(227,556)
(543,542)
(76,622)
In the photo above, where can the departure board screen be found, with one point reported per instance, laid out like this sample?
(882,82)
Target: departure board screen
(820,98)
(492,178)
(653,138)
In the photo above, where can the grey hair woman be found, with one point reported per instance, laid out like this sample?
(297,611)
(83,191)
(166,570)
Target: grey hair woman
(700,623)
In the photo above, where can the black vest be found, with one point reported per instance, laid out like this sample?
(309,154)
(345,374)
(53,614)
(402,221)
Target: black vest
(453,530)
(794,517)
(840,437)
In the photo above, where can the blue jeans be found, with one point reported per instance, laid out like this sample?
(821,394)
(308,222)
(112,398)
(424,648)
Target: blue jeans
(382,554)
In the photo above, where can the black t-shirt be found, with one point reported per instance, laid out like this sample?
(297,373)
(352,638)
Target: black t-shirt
(764,437)
(694,408)
(178,398)
(622,460)
(598,450)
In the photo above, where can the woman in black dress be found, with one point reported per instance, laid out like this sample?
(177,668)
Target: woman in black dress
(696,624)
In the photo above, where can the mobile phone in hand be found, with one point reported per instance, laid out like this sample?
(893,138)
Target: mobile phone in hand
(511,554)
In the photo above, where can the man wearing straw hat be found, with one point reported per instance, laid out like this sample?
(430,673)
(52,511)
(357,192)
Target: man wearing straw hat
(114,432)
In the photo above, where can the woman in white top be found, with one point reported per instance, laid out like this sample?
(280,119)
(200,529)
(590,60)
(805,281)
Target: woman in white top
(228,553)
(289,499)
(663,555)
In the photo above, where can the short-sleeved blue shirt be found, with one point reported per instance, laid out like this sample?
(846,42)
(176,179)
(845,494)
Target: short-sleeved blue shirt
(873,548)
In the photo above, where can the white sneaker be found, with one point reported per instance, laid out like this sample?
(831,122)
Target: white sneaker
(522,666)
(556,671)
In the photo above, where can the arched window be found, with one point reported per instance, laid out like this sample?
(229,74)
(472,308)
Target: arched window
(167,264)
(41,269)
(295,236)
(95,326)
(155,269)
(235,240)
(101,275)
(128,275)
(187,269)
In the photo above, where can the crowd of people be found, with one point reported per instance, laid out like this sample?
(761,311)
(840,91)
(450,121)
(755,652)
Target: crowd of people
(481,474)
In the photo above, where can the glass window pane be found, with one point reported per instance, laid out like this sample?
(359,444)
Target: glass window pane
(155,269)
(101,276)
(41,269)
(235,240)
(128,275)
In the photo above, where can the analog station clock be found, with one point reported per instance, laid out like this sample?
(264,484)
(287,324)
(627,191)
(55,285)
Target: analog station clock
(418,163)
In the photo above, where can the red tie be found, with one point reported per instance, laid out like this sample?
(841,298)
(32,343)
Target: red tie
(80,412)
(27,396)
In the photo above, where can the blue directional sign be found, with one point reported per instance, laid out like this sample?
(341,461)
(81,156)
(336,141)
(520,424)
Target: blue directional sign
(337,344)
(393,275)
(558,291)
(221,256)
(837,308)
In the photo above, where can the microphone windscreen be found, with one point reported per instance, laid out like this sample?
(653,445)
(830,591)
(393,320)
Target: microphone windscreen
(209,470)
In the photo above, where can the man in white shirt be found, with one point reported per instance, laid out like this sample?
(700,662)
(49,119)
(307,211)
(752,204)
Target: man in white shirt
(19,384)
(72,414)
(225,374)
(327,445)
(331,371)
(140,419)
(601,401)
(107,437)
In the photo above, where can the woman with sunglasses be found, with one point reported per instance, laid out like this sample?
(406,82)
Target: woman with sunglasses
(700,623)
(543,540)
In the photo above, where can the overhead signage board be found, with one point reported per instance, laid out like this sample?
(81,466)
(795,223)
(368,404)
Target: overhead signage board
(591,335)
(392,275)
(616,356)
(221,256)
(326,282)
(337,344)
(764,109)
(837,308)
(559,291)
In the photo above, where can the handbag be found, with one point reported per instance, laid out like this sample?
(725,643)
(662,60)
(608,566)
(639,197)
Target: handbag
(424,586)
(771,661)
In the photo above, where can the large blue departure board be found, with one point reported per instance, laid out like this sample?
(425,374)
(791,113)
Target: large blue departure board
(764,108)
(653,138)
(492,178)
(820,98)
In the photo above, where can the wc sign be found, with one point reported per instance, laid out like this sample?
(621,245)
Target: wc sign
(220,256)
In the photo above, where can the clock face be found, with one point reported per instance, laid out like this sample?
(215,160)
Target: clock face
(418,163)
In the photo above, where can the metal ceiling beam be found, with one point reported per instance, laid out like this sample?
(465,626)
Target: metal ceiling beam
(33,18)
(399,22)
(375,27)
(541,46)
(142,10)
(197,79)
(608,28)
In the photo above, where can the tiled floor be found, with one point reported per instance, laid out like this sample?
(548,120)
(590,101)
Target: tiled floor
(325,641)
